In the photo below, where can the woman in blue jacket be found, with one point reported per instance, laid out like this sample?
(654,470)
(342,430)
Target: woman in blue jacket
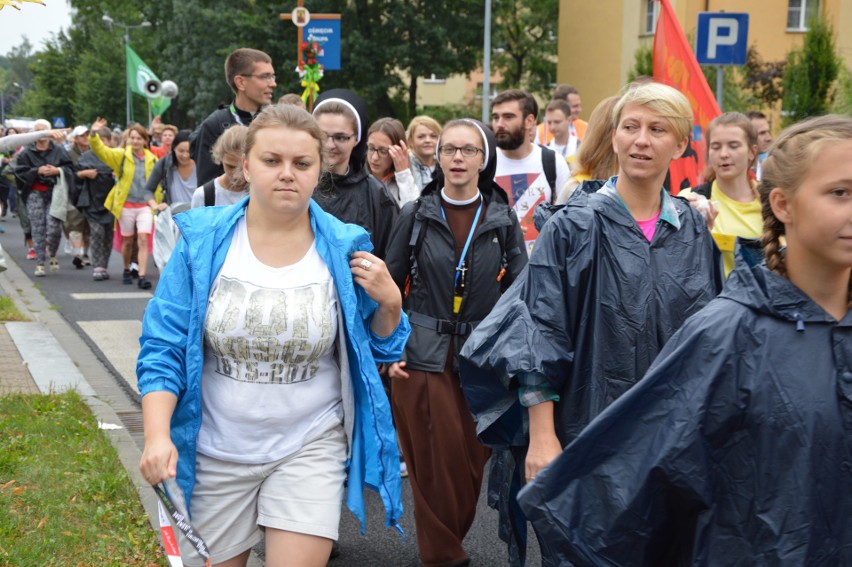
(258,361)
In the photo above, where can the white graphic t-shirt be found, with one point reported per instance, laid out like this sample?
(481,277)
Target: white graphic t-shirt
(270,375)
(525,183)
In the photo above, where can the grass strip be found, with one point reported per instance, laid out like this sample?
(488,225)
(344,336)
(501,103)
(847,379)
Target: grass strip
(8,311)
(65,499)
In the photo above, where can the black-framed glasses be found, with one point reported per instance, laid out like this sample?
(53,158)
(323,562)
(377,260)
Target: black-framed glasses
(340,139)
(466,151)
(268,77)
(381,151)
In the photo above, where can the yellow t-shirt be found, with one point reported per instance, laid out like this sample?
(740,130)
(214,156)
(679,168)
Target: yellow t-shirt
(734,219)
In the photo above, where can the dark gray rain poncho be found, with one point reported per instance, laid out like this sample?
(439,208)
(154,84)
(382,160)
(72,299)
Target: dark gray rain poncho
(735,449)
(591,312)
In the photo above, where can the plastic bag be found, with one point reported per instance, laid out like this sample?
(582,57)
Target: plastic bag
(166,234)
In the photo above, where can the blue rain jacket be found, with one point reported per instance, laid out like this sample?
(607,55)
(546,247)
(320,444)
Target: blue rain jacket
(735,448)
(172,342)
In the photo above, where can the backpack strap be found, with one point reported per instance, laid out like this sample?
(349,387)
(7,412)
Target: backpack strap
(210,193)
(414,243)
(548,163)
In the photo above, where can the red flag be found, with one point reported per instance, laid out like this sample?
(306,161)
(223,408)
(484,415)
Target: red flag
(675,65)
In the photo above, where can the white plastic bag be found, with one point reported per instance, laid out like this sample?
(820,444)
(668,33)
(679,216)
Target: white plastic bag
(166,234)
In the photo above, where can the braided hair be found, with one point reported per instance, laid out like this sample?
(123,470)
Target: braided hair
(786,166)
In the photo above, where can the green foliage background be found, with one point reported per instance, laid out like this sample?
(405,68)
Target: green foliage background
(386,46)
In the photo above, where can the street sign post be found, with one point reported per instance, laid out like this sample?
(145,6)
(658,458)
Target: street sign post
(721,39)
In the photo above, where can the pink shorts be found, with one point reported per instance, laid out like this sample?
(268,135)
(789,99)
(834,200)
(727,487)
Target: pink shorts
(136,219)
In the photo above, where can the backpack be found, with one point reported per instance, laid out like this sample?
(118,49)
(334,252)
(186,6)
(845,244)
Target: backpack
(210,193)
(548,164)
(416,241)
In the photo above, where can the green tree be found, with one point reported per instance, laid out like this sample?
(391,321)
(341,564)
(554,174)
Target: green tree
(53,80)
(736,96)
(810,73)
(524,37)
(764,78)
(643,62)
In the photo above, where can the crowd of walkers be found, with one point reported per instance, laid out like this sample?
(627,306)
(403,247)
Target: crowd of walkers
(652,378)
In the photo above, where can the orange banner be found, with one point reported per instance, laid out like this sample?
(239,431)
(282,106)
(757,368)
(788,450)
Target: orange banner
(675,65)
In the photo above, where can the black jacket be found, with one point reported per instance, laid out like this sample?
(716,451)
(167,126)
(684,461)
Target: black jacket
(735,448)
(201,141)
(91,193)
(30,159)
(497,243)
(357,197)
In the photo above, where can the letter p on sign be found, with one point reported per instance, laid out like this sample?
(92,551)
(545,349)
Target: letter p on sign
(717,38)
(722,38)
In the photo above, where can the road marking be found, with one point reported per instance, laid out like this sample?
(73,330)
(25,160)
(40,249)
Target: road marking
(116,295)
(119,341)
(50,366)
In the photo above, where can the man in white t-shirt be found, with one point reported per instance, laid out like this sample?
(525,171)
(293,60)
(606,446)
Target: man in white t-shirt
(557,116)
(520,163)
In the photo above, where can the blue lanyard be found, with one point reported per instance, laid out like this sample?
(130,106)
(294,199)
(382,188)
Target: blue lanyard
(467,243)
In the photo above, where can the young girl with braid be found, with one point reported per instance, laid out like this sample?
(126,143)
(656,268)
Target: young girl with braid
(735,448)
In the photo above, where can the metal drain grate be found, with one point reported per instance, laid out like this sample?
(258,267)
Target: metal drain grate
(132,420)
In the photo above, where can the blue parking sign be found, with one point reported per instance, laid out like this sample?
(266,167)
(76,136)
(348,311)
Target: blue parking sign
(58,122)
(721,38)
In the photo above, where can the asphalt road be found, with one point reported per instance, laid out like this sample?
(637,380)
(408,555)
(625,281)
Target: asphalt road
(107,315)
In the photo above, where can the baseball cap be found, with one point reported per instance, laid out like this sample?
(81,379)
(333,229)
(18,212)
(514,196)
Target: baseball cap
(80,130)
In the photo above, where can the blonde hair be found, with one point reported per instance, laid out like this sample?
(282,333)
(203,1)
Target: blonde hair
(786,166)
(595,156)
(286,116)
(426,121)
(232,141)
(662,100)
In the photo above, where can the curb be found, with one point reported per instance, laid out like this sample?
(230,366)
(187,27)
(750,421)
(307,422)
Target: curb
(99,386)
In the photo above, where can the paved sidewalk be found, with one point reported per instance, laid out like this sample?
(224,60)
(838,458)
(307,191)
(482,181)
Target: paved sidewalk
(15,378)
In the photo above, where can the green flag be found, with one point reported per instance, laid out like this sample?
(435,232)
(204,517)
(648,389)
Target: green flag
(138,73)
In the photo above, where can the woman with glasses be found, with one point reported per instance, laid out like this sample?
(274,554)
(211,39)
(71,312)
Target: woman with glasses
(349,192)
(387,158)
(452,253)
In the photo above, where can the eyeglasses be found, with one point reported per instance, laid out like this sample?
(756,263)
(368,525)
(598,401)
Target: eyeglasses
(381,151)
(466,151)
(340,139)
(267,77)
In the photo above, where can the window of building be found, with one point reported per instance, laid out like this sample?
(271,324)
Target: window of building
(491,95)
(799,13)
(652,11)
(434,80)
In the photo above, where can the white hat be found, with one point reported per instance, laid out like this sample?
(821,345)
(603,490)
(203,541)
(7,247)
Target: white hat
(80,130)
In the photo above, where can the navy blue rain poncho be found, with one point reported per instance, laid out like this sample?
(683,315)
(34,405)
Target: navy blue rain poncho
(591,312)
(735,449)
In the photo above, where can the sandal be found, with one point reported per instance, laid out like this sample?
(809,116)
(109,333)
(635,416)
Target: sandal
(126,278)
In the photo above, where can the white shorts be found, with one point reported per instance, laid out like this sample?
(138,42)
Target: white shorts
(136,219)
(301,493)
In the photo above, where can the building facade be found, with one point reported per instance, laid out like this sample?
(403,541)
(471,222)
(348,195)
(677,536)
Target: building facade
(598,40)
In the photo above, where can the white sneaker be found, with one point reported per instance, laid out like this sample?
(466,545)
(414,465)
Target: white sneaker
(39,271)
(54,265)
